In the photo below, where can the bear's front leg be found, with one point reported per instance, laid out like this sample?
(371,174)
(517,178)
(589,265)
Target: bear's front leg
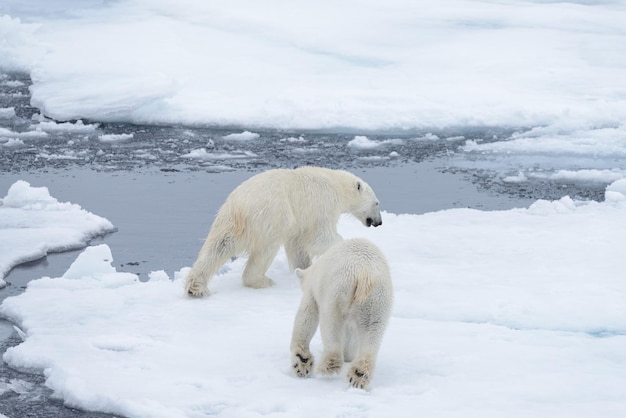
(196,284)
(259,260)
(302,362)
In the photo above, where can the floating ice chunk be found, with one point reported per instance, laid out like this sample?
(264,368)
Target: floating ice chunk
(299,139)
(373,158)
(429,137)
(203,154)
(13,83)
(7,112)
(37,133)
(115,137)
(78,126)
(33,223)
(243,136)
(589,175)
(519,178)
(13,142)
(363,142)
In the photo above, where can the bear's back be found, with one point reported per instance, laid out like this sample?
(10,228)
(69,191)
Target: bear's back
(350,270)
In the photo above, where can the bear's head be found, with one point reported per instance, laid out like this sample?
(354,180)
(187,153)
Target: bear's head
(365,205)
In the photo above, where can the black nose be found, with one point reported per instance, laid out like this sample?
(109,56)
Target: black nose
(372,222)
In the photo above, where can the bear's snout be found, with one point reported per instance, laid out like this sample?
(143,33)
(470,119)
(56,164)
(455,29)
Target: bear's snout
(373,222)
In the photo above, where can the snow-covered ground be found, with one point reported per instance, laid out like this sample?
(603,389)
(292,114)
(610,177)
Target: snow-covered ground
(362,64)
(511,313)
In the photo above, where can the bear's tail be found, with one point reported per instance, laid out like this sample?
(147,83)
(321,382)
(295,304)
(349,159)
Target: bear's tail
(364,284)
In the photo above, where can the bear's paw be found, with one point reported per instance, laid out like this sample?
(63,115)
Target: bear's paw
(330,364)
(358,377)
(302,363)
(258,282)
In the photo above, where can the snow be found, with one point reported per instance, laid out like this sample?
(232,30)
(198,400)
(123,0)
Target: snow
(362,64)
(33,224)
(497,313)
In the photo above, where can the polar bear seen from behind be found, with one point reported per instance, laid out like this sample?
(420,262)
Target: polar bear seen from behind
(348,291)
(298,209)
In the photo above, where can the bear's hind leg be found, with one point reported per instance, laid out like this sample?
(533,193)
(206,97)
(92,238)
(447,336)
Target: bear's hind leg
(332,329)
(351,345)
(361,371)
(215,251)
(258,262)
(304,328)
(369,329)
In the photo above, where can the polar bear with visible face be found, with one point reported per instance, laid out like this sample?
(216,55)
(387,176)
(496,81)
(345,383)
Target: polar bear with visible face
(298,209)
(348,291)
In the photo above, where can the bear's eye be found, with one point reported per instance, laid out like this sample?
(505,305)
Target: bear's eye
(358,185)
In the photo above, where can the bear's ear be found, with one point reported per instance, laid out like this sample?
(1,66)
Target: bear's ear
(358,185)
(299,273)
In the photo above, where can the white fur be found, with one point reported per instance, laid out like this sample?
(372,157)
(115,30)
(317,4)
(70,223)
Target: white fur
(298,209)
(348,291)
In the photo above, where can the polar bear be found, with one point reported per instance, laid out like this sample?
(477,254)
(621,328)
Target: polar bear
(295,208)
(348,291)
